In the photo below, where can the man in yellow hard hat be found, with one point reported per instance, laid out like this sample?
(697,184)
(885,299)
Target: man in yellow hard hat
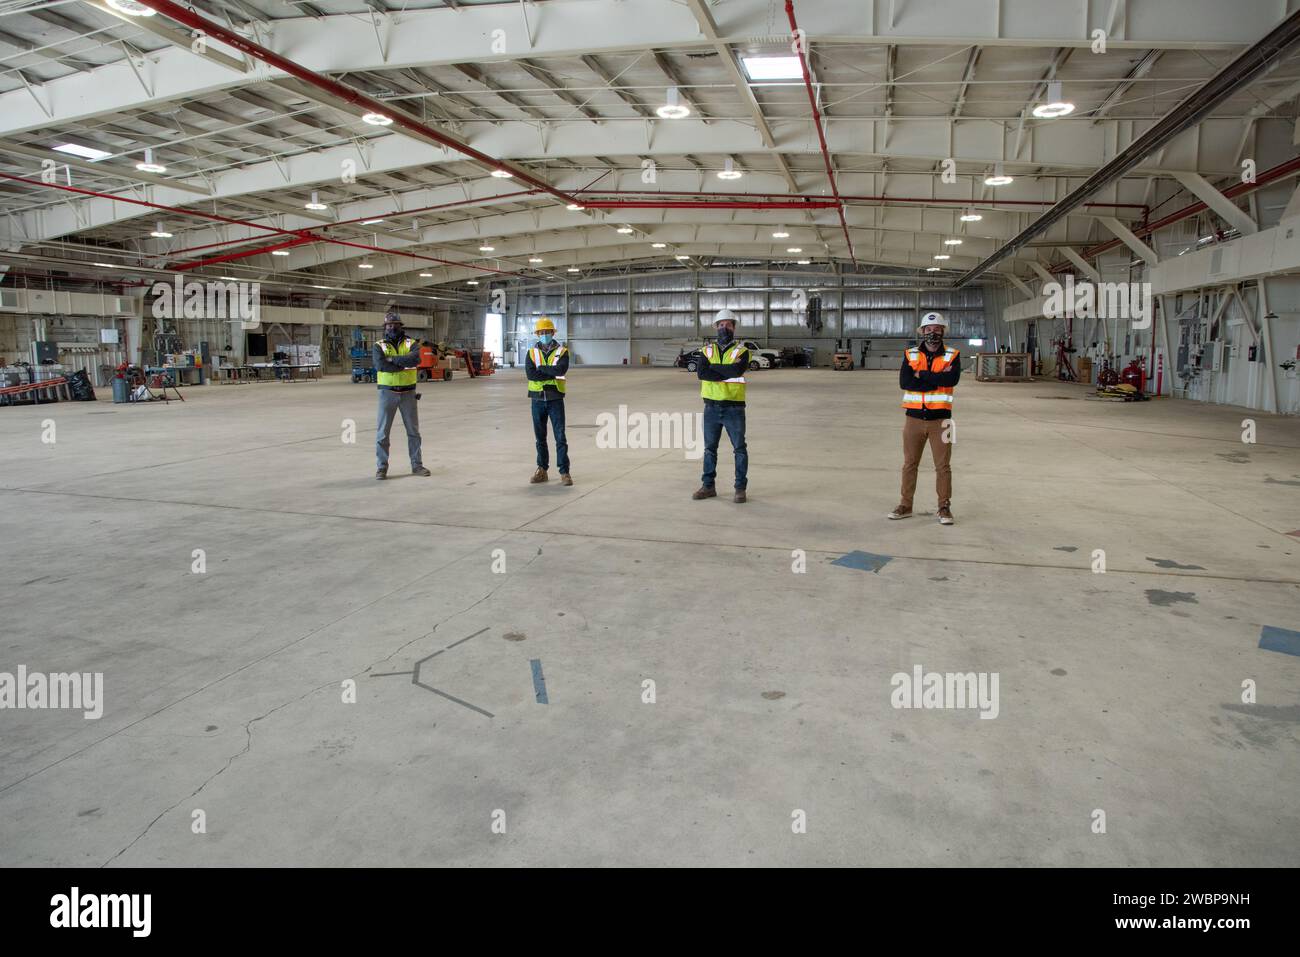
(547,366)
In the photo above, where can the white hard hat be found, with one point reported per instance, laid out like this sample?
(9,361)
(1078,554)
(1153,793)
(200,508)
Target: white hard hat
(725,315)
(933,319)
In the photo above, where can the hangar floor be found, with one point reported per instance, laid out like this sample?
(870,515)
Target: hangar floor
(1119,691)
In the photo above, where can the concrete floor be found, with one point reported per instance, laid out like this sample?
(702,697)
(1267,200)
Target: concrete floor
(1118,691)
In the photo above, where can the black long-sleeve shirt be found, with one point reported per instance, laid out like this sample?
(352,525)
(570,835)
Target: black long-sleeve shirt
(385,363)
(926,381)
(722,371)
(546,373)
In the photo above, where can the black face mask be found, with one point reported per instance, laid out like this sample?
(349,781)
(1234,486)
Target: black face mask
(934,338)
(725,336)
(394,334)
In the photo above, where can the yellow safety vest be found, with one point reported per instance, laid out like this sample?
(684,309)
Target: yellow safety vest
(730,390)
(938,398)
(541,360)
(406,376)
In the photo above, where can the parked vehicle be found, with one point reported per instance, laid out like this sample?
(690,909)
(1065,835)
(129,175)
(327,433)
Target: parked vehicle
(759,357)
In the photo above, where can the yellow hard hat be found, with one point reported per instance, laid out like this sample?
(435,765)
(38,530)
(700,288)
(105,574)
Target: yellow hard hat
(544,325)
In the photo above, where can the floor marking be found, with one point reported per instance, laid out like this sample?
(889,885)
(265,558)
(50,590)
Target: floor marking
(864,561)
(415,676)
(539,681)
(1272,638)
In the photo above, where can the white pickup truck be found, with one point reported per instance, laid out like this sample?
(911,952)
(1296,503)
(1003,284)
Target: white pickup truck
(759,357)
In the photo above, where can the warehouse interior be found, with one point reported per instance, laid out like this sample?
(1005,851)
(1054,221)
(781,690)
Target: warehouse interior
(207,212)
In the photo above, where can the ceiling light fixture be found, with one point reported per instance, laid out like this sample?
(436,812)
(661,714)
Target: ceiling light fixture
(730,171)
(502,174)
(315,202)
(683,257)
(378,119)
(658,245)
(371,222)
(426,275)
(573,269)
(105,265)
(931,268)
(998,178)
(795,249)
(366,266)
(160,232)
(1056,105)
(674,109)
(131,8)
(575,207)
(768,68)
(970,216)
(279,252)
(85,152)
(487,249)
(942,256)
(952,242)
(804,262)
(148,165)
(626,230)
(534,259)
(781,234)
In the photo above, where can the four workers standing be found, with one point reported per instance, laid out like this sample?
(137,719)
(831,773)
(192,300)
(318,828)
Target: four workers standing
(928,378)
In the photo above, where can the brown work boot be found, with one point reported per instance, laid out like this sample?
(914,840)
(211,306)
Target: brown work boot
(538,476)
(739,497)
(565,479)
(902,511)
(705,491)
(945,515)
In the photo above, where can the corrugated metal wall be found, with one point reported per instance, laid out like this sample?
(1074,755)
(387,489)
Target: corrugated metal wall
(682,304)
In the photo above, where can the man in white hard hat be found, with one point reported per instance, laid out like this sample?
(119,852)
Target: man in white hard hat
(928,379)
(722,386)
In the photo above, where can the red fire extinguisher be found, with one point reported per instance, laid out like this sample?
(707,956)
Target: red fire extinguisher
(1134,374)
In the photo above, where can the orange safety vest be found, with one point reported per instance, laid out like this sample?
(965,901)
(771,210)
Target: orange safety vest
(938,398)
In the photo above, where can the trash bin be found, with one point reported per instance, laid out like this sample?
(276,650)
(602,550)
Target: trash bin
(120,390)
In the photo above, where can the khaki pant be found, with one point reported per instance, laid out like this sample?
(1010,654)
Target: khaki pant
(916,432)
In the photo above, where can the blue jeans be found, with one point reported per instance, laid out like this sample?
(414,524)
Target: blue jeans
(554,410)
(732,418)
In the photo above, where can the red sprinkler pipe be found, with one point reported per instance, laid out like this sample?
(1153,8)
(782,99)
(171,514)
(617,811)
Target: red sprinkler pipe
(1271,175)
(211,28)
(817,122)
(166,209)
(304,235)
(690,204)
(228,257)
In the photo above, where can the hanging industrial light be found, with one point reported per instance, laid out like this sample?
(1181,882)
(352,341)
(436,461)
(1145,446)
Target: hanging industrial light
(674,109)
(149,166)
(1056,105)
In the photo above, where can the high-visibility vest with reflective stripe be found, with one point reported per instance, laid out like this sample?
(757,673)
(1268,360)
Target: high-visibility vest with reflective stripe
(730,390)
(541,360)
(938,398)
(406,376)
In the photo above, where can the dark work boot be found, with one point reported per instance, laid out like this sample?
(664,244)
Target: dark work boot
(705,491)
(381,473)
(739,497)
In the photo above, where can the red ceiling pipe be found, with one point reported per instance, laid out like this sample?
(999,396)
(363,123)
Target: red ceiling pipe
(817,122)
(166,209)
(1271,175)
(213,29)
(691,204)
(847,198)
(302,234)
(228,257)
